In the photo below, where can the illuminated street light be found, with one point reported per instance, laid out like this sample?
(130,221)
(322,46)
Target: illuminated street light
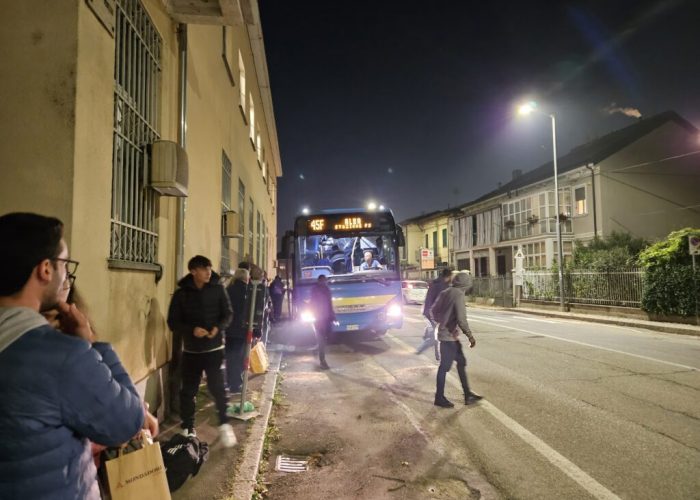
(371,205)
(305,210)
(525,109)
(381,207)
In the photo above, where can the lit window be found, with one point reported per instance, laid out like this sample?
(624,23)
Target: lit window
(580,200)
(241,78)
(252,120)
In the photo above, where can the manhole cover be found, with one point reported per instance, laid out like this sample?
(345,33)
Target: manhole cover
(291,464)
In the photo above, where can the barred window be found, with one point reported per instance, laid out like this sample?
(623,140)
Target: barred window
(251,228)
(241,219)
(136,93)
(225,207)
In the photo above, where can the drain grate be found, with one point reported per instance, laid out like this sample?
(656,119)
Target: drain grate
(291,464)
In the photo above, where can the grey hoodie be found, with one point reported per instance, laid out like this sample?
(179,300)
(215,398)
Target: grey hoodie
(15,322)
(451,300)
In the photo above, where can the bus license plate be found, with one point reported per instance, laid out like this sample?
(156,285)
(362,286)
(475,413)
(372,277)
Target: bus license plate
(353,327)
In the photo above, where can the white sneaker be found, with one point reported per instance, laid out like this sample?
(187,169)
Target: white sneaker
(189,432)
(228,438)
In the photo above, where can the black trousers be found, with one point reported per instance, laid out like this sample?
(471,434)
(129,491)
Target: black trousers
(449,353)
(193,364)
(277,307)
(235,355)
(323,330)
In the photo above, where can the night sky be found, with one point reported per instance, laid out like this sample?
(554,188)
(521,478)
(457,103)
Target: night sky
(411,104)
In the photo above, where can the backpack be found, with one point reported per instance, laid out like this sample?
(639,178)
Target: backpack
(182,457)
(440,309)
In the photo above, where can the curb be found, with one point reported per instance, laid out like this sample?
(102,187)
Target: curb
(679,329)
(247,471)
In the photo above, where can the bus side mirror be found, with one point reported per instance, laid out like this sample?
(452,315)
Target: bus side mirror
(400,240)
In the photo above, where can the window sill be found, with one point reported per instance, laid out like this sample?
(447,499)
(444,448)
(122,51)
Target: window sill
(245,119)
(134,266)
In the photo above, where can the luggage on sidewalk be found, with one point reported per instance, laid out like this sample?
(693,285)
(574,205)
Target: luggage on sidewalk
(258,359)
(137,471)
(183,456)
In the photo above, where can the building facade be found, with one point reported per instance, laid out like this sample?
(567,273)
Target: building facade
(101,99)
(640,180)
(429,231)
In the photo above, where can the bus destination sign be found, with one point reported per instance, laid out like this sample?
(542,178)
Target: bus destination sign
(319,224)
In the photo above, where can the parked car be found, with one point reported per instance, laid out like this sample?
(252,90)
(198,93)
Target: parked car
(414,291)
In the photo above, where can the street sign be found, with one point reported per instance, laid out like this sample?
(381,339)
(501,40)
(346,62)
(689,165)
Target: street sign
(427,260)
(694,244)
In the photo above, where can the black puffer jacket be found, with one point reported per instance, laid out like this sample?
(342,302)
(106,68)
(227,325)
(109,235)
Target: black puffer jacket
(237,295)
(206,308)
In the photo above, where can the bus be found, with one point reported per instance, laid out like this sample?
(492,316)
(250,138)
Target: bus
(336,243)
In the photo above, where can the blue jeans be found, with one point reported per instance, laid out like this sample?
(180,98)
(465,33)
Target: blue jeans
(235,354)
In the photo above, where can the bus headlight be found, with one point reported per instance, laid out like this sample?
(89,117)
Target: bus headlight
(307,317)
(394,311)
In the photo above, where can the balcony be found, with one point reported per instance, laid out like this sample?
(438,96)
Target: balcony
(221,12)
(514,229)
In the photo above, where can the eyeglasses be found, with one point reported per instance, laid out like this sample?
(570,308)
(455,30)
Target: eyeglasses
(71,265)
(69,282)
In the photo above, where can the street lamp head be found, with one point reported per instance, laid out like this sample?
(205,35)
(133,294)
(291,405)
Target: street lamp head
(371,205)
(305,210)
(381,207)
(527,108)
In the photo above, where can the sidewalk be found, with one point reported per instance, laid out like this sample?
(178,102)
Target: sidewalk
(231,473)
(658,326)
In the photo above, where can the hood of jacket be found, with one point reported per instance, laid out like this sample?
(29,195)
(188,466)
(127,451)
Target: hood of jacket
(15,322)
(188,281)
(463,281)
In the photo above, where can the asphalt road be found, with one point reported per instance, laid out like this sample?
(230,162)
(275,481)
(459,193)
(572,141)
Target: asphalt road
(571,410)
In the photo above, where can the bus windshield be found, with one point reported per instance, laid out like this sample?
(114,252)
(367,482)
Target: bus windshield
(347,257)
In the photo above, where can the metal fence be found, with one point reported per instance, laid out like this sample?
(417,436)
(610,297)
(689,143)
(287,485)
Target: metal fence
(499,288)
(617,288)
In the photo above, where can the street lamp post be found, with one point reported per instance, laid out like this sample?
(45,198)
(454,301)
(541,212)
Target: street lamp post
(526,109)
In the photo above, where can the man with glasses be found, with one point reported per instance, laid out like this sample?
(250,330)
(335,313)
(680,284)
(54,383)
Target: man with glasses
(58,389)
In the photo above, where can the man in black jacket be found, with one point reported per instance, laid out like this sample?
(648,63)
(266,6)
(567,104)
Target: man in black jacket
(236,331)
(322,306)
(438,285)
(200,312)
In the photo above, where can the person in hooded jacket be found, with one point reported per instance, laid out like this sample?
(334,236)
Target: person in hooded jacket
(451,312)
(59,389)
(236,331)
(436,287)
(200,312)
(324,316)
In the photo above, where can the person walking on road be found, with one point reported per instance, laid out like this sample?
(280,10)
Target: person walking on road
(322,306)
(59,388)
(451,313)
(236,331)
(201,311)
(436,286)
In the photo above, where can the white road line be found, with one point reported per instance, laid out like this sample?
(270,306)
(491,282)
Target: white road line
(528,318)
(647,358)
(412,320)
(554,457)
(470,315)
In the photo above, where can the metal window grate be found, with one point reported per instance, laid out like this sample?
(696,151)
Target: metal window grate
(225,206)
(136,81)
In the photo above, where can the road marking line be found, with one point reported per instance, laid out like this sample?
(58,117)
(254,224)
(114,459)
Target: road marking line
(470,315)
(412,320)
(640,356)
(554,457)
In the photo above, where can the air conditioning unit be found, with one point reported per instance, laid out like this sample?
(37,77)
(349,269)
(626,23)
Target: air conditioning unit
(230,225)
(169,168)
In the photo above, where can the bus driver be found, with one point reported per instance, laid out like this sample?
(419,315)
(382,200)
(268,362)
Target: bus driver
(370,263)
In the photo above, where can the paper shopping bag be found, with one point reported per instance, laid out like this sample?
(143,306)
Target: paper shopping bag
(138,475)
(258,359)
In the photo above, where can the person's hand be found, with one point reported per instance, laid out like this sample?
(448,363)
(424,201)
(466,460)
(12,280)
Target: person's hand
(200,332)
(213,332)
(73,322)
(472,343)
(150,422)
